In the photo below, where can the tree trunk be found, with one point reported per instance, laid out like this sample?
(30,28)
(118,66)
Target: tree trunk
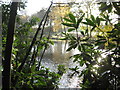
(6,75)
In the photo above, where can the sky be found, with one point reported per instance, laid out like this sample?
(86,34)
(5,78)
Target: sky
(34,6)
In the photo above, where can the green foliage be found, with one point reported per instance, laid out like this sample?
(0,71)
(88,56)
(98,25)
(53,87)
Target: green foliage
(75,70)
(71,29)
(61,69)
(100,72)
(109,7)
(106,75)
(89,22)
(5,13)
(79,20)
(72,17)
(71,21)
(30,77)
(94,21)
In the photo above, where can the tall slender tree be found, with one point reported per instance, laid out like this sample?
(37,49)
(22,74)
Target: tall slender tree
(6,78)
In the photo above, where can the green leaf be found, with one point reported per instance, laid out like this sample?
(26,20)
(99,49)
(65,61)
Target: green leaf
(64,38)
(86,57)
(83,72)
(71,29)
(110,8)
(82,47)
(69,48)
(104,7)
(33,68)
(18,74)
(75,69)
(106,17)
(82,62)
(69,25)
(87,44)
(75,60)
(80,19)
(100,36)
(111,45)
(89,22)
(66,19)
(72,47)
(75,45)
(79,48)
(82,33)
(72,38)
(72,17)
(98,21)
(101,41)
(101,19)
(93,18)
(51,42)
(86,31)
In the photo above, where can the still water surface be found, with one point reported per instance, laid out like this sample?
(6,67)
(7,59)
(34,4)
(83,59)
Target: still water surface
(56,54)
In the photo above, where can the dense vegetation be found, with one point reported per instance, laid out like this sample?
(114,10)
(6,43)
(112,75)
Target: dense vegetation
(95,37)
(32,74)
(102,38)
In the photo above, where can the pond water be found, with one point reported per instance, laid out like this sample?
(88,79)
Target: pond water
(56,54)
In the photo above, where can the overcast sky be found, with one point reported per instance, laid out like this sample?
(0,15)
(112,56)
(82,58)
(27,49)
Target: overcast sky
(34,6)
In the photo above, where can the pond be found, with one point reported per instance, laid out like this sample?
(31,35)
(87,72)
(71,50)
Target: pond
(56,55)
